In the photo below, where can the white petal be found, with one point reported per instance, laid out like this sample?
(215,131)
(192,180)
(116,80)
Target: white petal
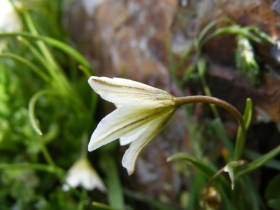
(118,123)
(95,182)
(133,135)
(73,179)
(82,173)
(90,180)
(127,92)
(132,153)
(9,19)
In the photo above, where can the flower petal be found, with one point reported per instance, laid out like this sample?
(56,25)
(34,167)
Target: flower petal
(72,179)
(90,180)
(131,136)
(154,127)
(120,122)
(127,92)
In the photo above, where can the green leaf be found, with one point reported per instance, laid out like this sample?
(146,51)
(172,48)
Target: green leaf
(206,169)
(231,169)
(248,112)
(31,110)
(56,43)
(34,68)
(245,195)
(240,141)
(218,128)
(252,155)
(260,161)
(101,206)
(263,35)
(274,203)
(115,192)
(201,67)
(210,25)
(152,203)
(188,74)
(272,193)
(195,186)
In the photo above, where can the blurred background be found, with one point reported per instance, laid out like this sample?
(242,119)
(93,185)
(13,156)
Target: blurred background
(225,48)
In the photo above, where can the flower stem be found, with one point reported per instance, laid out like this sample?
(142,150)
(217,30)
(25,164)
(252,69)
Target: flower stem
(84,145)
(82,199)
(32,166)
(212,100)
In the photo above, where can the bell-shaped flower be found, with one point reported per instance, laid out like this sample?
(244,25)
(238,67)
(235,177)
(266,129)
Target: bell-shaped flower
(82,173)
(9,19)
(142,111)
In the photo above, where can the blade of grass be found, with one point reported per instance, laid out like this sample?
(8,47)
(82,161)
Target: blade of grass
(152,203)
(31,109)
(220,131)
(251,155)
(248,112)
(233,29)
(31,166)
(101,206)
(36,53)
(55,71)
(253,194)
(55,43)
(210,25)
(240,140)
(34,68)
(115,192)
(206,169)
(195,188)
(260,161)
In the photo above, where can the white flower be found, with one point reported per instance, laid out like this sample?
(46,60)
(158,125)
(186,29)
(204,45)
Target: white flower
(82,173)
(142,111)
(9,19)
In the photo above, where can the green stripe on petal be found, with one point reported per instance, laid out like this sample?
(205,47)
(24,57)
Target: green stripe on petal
(120,122)
(123,92)
(154,127)
(133,135)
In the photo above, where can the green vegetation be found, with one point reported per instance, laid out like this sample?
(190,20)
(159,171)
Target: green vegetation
(47,109)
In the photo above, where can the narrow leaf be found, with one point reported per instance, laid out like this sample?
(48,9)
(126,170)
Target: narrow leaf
(34,68)
(115,192)
(240,140)
(56,43)
(218,128)
(152,203)
(231,169)
(31,110)
(260,161)
(206,169)
(101,206)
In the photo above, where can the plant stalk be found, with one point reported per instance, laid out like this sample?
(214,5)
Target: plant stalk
(212,100)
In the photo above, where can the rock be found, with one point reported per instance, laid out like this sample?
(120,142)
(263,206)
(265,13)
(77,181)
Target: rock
(133,39)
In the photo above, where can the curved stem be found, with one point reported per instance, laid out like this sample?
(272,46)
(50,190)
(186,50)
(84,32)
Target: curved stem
(34,68)
(212,100)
